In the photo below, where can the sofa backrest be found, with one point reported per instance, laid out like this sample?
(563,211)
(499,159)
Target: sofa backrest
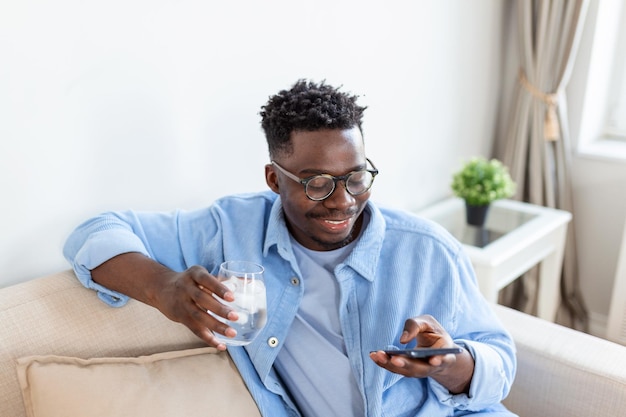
(55,315)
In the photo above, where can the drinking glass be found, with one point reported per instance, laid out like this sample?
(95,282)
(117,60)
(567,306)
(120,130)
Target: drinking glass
(245,280)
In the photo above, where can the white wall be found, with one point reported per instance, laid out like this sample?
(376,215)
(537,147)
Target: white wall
(138,104)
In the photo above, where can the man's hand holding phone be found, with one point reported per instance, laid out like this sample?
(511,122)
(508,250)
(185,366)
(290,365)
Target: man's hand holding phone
(451,368)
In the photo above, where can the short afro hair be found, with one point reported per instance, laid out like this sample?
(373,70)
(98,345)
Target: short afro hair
(307,106)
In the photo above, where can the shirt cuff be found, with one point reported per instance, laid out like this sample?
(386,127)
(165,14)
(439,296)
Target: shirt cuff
(488,381)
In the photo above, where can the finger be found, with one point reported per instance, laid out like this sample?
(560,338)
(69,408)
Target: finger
(204,325)
(380,357)
(206,301)
(414,368)
(210,283)
(442,360)
(426,330)
(204,312)
(219,290)
(414,327)
(422,368)
(210,339)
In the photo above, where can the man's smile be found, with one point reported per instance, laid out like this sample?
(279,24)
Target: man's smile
(336,225)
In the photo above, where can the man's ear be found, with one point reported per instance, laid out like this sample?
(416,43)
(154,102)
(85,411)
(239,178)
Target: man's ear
(271,178)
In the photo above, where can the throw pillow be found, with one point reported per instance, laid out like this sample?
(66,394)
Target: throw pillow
(195,382)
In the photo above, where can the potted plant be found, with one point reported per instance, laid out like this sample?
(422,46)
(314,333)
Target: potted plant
(479,182)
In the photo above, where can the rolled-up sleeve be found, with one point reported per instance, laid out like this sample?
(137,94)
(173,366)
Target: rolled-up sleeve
(96,241)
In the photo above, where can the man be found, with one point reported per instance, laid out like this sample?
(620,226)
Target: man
(345,279)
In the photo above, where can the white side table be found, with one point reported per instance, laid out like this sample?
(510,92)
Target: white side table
(516,237)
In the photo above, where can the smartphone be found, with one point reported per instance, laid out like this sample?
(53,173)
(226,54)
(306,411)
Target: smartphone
(423,352)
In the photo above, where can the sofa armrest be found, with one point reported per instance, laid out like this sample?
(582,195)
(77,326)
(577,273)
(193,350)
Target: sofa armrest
(563,372)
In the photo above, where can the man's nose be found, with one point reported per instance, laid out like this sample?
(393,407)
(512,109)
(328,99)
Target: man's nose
(340,197)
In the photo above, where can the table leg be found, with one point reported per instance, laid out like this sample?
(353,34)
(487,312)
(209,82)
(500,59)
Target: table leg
(487,283)
(550,268)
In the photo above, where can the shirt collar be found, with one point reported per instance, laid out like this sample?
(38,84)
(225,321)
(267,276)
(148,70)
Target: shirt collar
(365,255)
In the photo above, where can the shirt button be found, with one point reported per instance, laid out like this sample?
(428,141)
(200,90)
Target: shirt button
(272,342)
(295,281)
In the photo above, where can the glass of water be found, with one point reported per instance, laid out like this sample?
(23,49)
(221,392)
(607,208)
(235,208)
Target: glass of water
(245,280)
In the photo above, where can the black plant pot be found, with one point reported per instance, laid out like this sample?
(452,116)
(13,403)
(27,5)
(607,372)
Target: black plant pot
(476,215)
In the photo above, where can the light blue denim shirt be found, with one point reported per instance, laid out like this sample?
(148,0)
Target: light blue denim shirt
(402,266)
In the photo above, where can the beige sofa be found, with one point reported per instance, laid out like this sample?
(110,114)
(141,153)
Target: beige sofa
(65,353)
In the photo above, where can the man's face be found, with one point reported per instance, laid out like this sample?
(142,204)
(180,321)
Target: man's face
(333,222)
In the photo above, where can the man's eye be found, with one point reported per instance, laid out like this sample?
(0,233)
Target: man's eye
(320,183)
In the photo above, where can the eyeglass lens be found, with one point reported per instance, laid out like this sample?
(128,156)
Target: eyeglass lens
(322,186)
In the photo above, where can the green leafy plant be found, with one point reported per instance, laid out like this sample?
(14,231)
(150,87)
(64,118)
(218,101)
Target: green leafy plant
(482,181)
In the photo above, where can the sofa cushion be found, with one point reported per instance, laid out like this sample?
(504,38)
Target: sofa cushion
(193,382)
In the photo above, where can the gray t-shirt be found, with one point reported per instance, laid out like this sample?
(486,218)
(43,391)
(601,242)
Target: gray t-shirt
(313,362)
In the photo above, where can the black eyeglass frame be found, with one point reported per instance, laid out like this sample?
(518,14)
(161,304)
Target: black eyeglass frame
(344,178)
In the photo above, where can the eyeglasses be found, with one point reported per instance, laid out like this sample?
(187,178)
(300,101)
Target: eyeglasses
(320,187)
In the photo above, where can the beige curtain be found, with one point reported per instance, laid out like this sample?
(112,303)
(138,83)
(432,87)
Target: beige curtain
(537,147)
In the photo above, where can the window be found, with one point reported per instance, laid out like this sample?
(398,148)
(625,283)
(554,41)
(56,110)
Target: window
(615,127)
(599,82)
